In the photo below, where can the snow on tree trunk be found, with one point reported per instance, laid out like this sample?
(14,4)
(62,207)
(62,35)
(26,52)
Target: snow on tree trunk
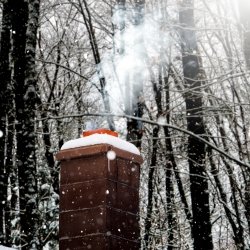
(5,81)
(24,45)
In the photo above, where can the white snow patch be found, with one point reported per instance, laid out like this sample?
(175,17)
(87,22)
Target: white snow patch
(162,120)
(101,139)
(6,248)
(45,187)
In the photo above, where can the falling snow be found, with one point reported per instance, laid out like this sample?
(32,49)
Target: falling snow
(162,120)
(111,155)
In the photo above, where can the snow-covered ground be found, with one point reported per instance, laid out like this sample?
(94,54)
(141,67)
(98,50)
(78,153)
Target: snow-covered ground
(6,248)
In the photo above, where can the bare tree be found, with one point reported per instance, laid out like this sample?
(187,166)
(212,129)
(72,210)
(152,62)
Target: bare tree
(201,225)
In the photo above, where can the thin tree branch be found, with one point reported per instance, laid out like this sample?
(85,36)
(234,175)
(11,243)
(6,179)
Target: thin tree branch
(199,137)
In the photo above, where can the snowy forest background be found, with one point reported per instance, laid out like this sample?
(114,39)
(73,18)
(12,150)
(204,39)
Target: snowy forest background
(172,76)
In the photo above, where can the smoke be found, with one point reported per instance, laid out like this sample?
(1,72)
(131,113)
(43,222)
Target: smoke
(140,43)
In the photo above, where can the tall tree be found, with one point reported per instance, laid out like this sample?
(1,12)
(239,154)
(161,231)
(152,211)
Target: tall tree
(201,225)
(4,102)
(83,7)
(25,23)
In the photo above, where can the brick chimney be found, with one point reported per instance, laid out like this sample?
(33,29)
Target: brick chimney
(99,195)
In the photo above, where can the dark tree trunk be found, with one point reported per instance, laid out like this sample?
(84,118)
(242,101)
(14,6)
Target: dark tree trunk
(19,22)
(4,102)
(24,44)
(134,127)
(170,168)
(201,225)
(148,220)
